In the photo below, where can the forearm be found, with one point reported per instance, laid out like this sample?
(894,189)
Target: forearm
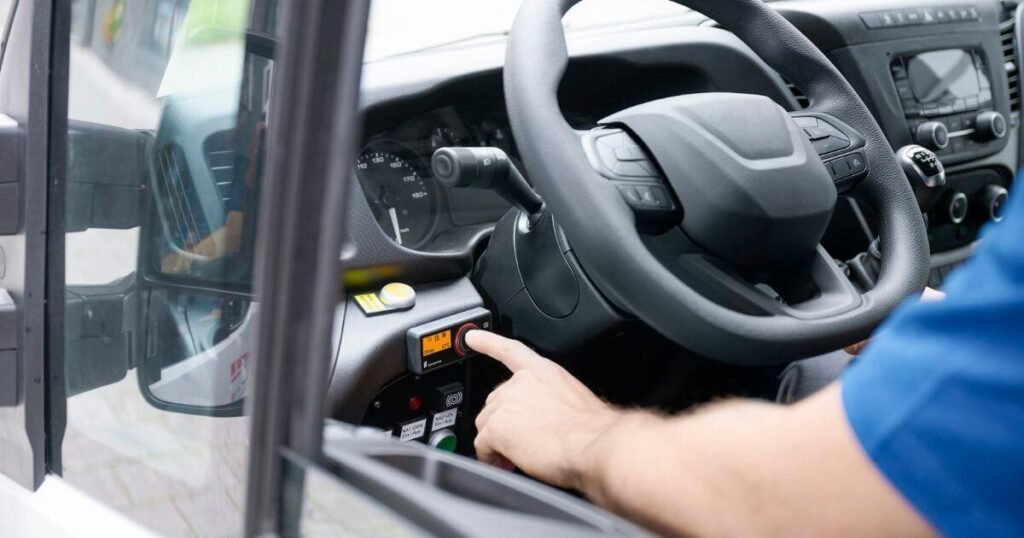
(677,475)
(744,469)
(223,240)
(212,246)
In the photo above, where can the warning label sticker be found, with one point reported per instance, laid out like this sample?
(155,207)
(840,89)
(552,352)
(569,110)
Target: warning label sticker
(444,419)
(413,430)
(370,303)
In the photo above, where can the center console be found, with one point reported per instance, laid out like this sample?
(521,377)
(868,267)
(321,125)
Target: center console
(948,103)
(942,74)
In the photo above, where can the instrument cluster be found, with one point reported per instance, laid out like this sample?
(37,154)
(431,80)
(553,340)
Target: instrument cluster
(410,206)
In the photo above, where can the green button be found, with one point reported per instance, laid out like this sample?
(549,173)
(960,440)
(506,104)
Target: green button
(444,440)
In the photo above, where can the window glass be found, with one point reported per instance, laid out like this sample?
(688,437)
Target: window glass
(404,26)
(168,105)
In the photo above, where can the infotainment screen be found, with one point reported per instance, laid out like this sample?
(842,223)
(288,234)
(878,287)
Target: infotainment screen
(943,75)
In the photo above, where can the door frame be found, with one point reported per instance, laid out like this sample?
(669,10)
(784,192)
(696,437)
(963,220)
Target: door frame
(312,141)
(313,138)
(27,81)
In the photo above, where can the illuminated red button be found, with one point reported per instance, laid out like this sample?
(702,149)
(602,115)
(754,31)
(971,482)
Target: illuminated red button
(460,339)
(415,403)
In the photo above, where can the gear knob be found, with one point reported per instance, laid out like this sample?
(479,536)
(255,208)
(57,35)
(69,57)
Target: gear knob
(926,174)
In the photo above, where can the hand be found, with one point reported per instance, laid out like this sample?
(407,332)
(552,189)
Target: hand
(928,296)
(543,420)
(175,262)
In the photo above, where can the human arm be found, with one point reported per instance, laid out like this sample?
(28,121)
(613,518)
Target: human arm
(733,468)
(224,240)
(929,295)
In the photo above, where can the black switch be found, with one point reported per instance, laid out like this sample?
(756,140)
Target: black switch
(856,164)
(816,133)
(449,396)
(830,144)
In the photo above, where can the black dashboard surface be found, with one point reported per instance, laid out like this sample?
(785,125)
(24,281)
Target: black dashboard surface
(418,102)
(415,103)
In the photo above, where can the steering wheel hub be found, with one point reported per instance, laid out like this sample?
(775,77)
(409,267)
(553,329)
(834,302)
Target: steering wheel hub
(753,189)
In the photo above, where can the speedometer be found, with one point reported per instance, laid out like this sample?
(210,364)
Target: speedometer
(401,199)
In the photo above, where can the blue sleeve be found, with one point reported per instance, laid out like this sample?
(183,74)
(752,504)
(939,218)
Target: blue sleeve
(937,400)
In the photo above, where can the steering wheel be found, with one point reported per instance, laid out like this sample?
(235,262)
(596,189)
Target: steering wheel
(702,215)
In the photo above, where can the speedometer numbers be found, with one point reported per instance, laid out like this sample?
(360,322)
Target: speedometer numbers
(402,201)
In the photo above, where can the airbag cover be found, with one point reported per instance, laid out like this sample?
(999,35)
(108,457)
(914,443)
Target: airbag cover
(753,189)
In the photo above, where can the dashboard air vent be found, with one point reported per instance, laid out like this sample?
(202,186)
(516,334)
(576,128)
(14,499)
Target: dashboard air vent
(220,157)
(176,193)
(1008,34)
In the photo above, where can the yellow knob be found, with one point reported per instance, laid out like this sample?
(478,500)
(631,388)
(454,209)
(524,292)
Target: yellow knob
(398,295)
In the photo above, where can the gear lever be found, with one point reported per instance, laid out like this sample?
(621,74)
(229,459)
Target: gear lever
(927,177)
(487,168)
(926,174)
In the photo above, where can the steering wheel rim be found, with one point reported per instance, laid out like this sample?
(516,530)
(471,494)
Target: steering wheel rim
(615,256)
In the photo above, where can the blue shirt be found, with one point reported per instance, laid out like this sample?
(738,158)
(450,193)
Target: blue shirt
(937,399)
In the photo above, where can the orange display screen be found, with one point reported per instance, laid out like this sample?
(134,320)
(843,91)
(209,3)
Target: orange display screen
(436,343)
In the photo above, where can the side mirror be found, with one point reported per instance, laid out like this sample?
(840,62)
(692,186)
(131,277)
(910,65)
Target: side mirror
(198,240)
(197,352)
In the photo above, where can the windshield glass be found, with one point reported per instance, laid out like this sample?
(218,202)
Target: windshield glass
(402,26)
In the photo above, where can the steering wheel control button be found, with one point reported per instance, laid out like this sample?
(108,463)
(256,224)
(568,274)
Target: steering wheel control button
(449,396)
(647,197)
(615,155)
(398,295)
(444,440)
(830,145)
(825,137)
(442,342)
(850,165)
(856,164)
(847,167)
(816,133)
(394,297)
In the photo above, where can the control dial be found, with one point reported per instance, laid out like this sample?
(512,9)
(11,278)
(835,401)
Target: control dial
(932,135)
(991,200)
(990,125)
(955,206)
(460,338)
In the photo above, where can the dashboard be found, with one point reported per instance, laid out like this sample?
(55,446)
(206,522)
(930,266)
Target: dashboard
(404,225)
(418,103)
(414,106)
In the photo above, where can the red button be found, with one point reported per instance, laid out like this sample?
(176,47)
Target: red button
(460,339)
(415,403)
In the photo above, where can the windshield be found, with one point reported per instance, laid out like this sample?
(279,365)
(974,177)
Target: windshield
(402,26)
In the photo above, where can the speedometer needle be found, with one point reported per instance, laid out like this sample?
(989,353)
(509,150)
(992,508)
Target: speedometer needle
(394,224)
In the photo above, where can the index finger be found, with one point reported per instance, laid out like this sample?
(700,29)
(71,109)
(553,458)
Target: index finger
(512,353)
